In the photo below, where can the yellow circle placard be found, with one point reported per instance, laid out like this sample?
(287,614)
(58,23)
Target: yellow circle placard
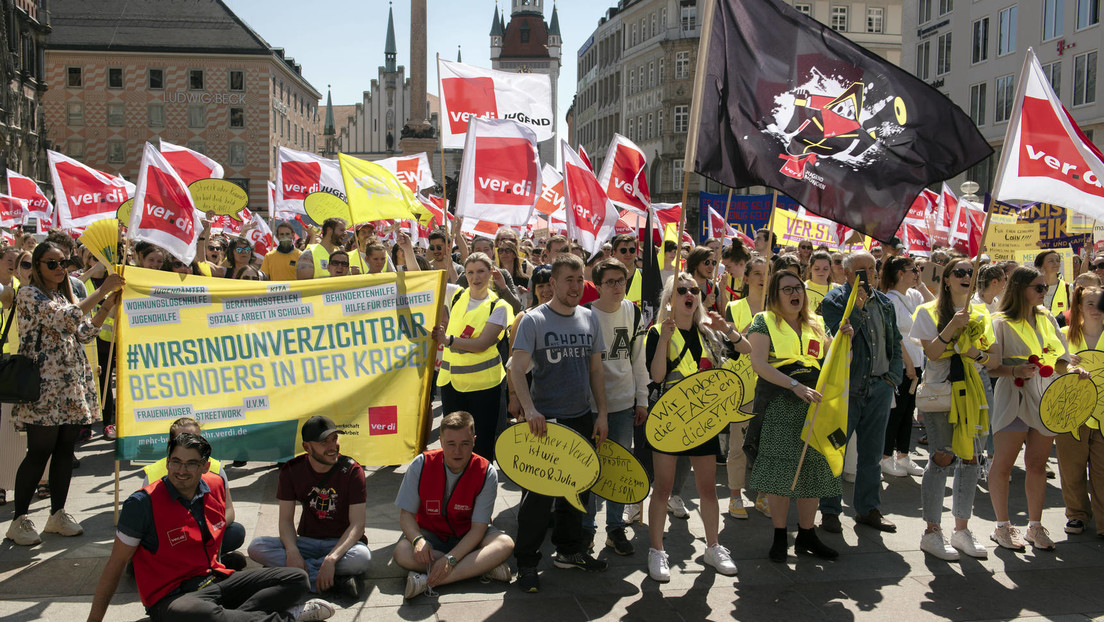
(1063,409)
(219,196)
(322,205)
(559,464)
(695,409)
(622,478)
(1093,362)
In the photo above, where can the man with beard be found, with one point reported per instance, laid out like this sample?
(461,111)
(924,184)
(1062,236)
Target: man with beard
(280,263)
(330,543)
(312,263)
(440,256)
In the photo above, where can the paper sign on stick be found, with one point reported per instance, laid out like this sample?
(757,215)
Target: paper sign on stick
(695,410)
(560,464)
(1005,241)
(1062,408)
(322,205)
(219,196)
(622,478)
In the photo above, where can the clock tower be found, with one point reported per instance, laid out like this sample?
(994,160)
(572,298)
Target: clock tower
(528,44)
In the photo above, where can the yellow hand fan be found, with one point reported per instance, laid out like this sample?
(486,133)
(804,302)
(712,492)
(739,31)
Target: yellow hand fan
(102,239)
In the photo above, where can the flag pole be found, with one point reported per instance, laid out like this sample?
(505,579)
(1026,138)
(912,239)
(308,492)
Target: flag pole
(770,235)
(111,359)
(718,253)
(441,144)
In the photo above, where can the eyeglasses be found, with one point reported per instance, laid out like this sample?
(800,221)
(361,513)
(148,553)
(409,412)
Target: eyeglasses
(190,466)
(962,273)
(709,262)
(250,278)
(805,248)
(682,291)
(241,250)
(343,264)
(914,270)
(215,249)
(1039,288)
(26,265)
(838,262)
(503,249)
(790,290)
(614,282)
(686,249)
(627,251)
(437,248)
(53,264)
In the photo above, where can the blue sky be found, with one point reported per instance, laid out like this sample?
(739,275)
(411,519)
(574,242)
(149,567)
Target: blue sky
(340,42)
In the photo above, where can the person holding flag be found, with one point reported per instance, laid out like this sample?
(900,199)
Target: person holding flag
(955,336)
(787,343)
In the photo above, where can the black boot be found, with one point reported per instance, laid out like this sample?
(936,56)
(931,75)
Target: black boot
(780,546)
(807,542)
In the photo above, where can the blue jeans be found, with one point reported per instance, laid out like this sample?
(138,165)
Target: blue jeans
(620,431)
(867,416)
(269,552)
(934,484)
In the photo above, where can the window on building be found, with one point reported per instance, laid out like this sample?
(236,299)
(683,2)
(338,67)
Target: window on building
(659,122)
(155,78)
(682,65)
(237,80)
(524,32)
(682,119)
(156,114)
(632,126)
(237,117)
(663,18)
(1006,93)
(114,77)
(195,79)
(75,77)
(689,16)
(1088,13)
(1084,79)
(75,148)
(943,55)
(946,6)
(74,113)
(237,154)
(804,7)
(632,81)
(651,126)
(676,175)
(980,41)
(1053,73)
(839,18)
(633,39)
(655,30)
(116,115)
(197,116)
(1053,10)
(198,146)
(923,60)
(875,20)
(651,74)
(242,182)
(116,151)
(662,62)
(1006,33)
(977,103)
(925,11)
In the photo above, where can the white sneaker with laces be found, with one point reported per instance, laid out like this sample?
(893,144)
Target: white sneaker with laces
(633,513)
(500,572)
(658,569)
(677,507)
(910,467)
(22,532)
(62,522)
(313,610)
(415,583)
(719,557)
(891,467)
(933,543)
(966,543)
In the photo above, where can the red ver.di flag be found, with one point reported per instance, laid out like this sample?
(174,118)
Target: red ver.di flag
(623,175)
(1047,157)
(83,195)
(551,199)
(260,236)
(413,171)
(591,216)
(190,165)
(299,173)
(469,92)
(500,178)
(163,213)
(13,211)
(22,187)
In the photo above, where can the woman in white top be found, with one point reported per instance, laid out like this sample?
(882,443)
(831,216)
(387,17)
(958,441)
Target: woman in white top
(991,284)
(899,276)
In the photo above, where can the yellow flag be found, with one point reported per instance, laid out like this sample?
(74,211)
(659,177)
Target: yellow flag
(670,234)
(829,430)
(374,193)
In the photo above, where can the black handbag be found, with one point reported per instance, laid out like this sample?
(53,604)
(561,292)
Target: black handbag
(20,382)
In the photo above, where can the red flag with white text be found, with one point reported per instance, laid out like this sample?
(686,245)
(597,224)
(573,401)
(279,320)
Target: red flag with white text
(260,236)
(23,187)
(163,212)
(190,165)
(469,92)
(299,173)
(591,216)
(551,199)
(83,195)
(13,211)
(413,171)
(500,176)
(717,227)
(623,175)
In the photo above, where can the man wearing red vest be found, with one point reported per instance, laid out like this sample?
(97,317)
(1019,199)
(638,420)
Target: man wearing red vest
(445,501)
(173,529)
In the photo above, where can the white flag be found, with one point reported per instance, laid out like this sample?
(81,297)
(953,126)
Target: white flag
(164,213)
(190,165)
(83,195)
(469,92)
(623,175)
(413,171)
(500,177)
(299,173)
(591,216)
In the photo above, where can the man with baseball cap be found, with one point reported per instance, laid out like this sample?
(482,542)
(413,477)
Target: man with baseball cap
(329,543)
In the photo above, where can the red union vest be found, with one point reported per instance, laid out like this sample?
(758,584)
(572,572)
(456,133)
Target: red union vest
(451,517)
(181,554)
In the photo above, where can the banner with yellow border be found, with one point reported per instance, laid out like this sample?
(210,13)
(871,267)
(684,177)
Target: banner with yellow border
(252,360)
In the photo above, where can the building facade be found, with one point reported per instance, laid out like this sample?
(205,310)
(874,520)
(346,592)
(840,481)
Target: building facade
(973,53)
(24,25)
(191,73)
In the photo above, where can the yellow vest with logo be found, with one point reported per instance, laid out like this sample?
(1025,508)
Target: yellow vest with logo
(686,365)
(472,371)
(787,347)
(1050,347)
(160,469)
(321,258)
(1077,346)
(1060,302)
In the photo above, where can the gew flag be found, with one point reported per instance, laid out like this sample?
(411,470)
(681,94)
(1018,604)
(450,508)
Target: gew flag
(790,103)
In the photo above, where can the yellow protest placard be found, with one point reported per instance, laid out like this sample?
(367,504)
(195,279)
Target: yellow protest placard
(322,205)
(791,229)
(621,479)
(559,464)
(253,360)
(1062,408)
(123,213)
(695,410)
(1093,362)
(1009,241)
(219,196)
(742,366)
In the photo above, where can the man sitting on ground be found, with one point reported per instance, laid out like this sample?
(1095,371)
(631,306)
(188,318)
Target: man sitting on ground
(445,501)
(330,543)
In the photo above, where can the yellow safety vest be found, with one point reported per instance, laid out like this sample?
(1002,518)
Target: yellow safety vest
(1077,346)
(740,312)
(472,371)
(686,364)
(160,469)
(978,332)
(1050,347)
(321,258)
(787,347)
(1060,302)
(633,293)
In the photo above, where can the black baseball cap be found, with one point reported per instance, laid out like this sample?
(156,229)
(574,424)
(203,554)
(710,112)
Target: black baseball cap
(318,428)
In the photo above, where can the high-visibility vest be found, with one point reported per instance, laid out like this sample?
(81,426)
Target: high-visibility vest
(787,347)
(740,312)
(1060,303)
(1051,347)
(472,371)
(978,314)
(686,365)
(321,258)
(160,469)
(633,293)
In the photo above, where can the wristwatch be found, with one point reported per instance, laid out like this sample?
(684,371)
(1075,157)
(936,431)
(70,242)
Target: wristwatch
(452,561)
(793,383)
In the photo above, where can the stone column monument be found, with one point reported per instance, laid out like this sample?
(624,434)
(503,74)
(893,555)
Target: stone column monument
(418,135)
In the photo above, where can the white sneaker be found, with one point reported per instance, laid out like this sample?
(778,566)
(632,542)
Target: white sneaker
(62,522)
(415,583)
(500,572)
(634,512)
(718,557)
(22,532)
(890,467)
(677,507)
(849,477)
(933,543)
(909,466)
(658,569)
(314,609)
(965,542)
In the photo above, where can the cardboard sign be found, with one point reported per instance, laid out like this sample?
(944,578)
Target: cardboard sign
(1063,407)
(1007,241)
(1092,361)
(742,366)
(621,479)
(560,464)
(322,205)
(219,196)
(695,409)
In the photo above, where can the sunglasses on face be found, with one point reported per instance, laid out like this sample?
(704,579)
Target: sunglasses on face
(838,262)
(177,264)
(790,290)
(804,248)
(215,249)
(343,264)
(53,264)
(627,251)
(682,291)
(437,248)
(241,250)
(1039,288)
(914,270)
(709,262)
(250,278)
(962,273)
(26,265)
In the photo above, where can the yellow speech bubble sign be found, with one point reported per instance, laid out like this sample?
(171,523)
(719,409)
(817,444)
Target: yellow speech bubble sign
(742,366)
(219,196)
(123,213)
(322,205)
(695,409)
(1093,362)
(622,479)
(1063,407)
(560,464)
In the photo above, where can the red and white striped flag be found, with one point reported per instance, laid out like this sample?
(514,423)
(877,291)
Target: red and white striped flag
(591,217)
(38,206)
(83,195)
(164,213)
(500,177)
(623,175)
(13,211)
(190,165)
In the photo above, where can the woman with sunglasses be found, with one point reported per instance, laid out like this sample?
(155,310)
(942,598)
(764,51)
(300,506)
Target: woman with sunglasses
(817,276)
(899,279)
(53,320)
(955,335)
(215,251)
(838,276)
(1078,457)
(683,341)
(1025,332)
(1057,297)
(787,343)
(519,269)
(240,255)
(701,263)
